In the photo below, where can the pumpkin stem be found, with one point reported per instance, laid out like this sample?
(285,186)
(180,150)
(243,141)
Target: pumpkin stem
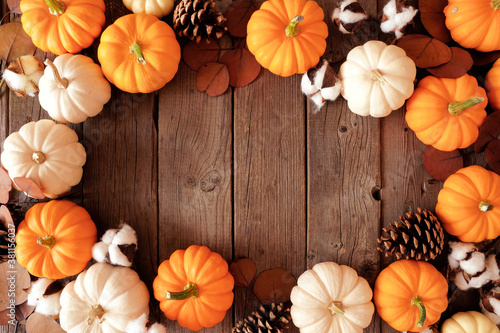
(61,81)
(485,206)
(293,29)
(95,312)
(136,48)
(191,290)
(456,108)
(377,76)
(417,301)
(336,308)
(495,4)
(47,241)
(38,157)
(56,7)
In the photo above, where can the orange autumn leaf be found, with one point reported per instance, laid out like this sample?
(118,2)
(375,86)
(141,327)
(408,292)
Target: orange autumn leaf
(433,18)
(213,78)
(425,51)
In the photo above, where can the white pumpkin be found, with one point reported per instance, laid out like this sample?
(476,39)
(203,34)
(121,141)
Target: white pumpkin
(469,322)
(73,88)
(47,153)
(104,299)
(377,78)
(331,299)
(158,8)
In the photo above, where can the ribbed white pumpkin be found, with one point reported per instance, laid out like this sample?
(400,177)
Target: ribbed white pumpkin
(47,153)
(377,78)
(73,88)
(103,299)
(158,8)
(331,299)
(469,322)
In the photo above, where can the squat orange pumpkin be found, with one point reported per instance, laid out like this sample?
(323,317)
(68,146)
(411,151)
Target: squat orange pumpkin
(139,53)
(469,204)
(62,26)
(55,240)
(447,113)
(287,36)
(492,85)
(194,287)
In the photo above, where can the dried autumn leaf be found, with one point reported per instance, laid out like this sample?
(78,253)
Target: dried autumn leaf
(425,51)
(14,42)
(242,66)
(243,271)
(21,313)
(484,58)
(5,186)
(196,55)
(441,164)
(14,6)
(14,279)
(492,154)
(213,78)
(38,323)
(461,62)
(238,14)
(433,18)
(28,187)
(274,285)
(489,131)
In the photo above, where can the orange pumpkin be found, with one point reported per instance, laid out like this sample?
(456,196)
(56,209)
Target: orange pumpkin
(55,240)
(139,53)
(447,113)
(474,24)
(469,204)
(62,26)
(410,295)
(287,36)
(194,287)
(492,85)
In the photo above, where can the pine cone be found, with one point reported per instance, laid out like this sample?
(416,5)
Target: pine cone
(7,232)
(268,319)
(197,19)
(417,236)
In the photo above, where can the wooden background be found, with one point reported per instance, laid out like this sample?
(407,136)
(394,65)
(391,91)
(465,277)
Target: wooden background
(252,173)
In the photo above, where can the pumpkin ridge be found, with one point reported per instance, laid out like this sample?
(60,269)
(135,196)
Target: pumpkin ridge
(273,8)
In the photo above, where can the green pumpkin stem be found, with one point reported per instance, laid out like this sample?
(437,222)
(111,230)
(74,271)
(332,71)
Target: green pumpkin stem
(56,7)
(47,241)
(456,108)
(336,308)
(61,81)
(136,48)
(417,301)
(293,29)
(485,206)
(495,4)
(191,290)
(95,312)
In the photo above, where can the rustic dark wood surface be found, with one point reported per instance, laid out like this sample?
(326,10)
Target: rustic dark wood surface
(252,173)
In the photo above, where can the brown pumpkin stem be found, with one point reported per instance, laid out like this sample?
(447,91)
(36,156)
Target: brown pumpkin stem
(293,29)
(417,301)
(456,108)
(38,157)
(136,48)
(61,81)
(95,312)
(495,4)
(377,76)
(336,308)
(485,206)
(47,241)
(56,7)
(191,290)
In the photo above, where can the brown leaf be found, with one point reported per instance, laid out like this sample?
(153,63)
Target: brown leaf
(433,18)
(242,66)
(196,55)
(425,51)
(484,58)
(29,187)
(274,286)
(493,155)
(5,186)
(54,288)
(243,271)
(20,313)
(461,62)
(39,323)
(14,279)
(14,42)
(213,78)
(441,164)
(238,14)
(489,131)
(14,6)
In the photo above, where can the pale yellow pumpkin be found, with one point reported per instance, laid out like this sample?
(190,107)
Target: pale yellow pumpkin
(158,8)
(469,322)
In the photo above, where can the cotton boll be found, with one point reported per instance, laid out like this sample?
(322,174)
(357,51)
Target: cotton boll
(460,282)
(349,16)
(492,267)
(107,238)
(157,328)
(452,262)
(138,325)
(126,235)
(49,305)
(37,290)
(331,93)
(318,100)
(460,250)
(100,252)
(117,257)
(396,18)
(479,281)
(308,87)
(475,264)
(23,75)
(491,315)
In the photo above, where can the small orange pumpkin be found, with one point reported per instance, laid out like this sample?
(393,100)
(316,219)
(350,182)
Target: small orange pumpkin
(194,287)
(139,53)
(62,26)
(55,240)
(469,204)
(410,295)
(287,36)
(474,24)
(447,113)
(492,85)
